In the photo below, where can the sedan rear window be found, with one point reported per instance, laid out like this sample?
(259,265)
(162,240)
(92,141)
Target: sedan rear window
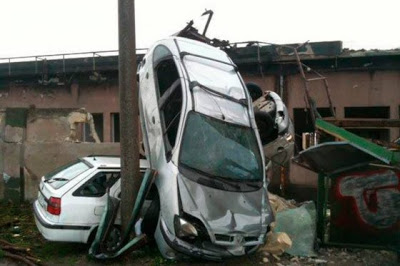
(66,173)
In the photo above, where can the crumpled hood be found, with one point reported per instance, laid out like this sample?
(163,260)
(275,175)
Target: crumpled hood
(226,212)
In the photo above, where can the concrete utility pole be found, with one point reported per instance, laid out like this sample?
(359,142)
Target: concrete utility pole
(129,109)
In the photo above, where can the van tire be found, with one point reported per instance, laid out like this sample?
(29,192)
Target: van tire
(150,219)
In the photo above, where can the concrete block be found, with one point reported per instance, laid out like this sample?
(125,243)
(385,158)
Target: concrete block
(2,187)
(31,184)
(1,170)
(48,129)
(11,159)
(10,172)
(2,124)
(13,134)
(41,158)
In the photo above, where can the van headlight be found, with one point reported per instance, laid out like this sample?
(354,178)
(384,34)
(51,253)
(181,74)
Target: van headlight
(184,229)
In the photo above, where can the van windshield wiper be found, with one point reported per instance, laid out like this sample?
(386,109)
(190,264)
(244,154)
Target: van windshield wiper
(242,102)
(226,181)
(253,184)
(55,179)
(213,177)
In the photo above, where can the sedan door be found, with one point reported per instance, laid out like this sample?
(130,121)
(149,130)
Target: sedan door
(85,205)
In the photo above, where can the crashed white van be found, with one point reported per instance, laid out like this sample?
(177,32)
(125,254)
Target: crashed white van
(201,137)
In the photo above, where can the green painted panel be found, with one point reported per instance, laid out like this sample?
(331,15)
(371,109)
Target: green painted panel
(381,153)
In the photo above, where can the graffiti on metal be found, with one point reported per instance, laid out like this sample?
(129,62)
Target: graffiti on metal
(376,196)
(364,208)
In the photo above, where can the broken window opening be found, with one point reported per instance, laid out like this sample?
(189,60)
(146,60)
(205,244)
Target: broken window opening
(115,134)
(367,112)
(98,125)
(371,112)
(82,124)
(169,95)
(303,123)
(371,133)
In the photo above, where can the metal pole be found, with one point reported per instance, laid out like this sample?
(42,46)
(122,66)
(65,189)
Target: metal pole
(129,110)
(210,13)
(308,97)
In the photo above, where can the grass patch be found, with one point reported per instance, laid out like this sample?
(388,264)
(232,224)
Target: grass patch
(53,253)
(27,235)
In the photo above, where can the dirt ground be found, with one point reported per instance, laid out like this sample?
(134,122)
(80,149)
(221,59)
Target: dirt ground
(51,253)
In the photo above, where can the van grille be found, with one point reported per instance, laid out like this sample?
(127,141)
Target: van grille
(251,238)
(225,238)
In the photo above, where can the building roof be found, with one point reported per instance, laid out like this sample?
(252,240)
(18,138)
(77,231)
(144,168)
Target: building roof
(249,56)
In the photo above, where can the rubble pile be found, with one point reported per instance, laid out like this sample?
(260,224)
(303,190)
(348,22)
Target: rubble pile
(297,238)
(20,254)
(287,247)
(279,204)
(12,251)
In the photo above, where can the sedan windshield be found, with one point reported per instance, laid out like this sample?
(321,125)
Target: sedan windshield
(220,149)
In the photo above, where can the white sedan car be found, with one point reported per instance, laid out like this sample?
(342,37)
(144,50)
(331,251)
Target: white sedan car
(72,198)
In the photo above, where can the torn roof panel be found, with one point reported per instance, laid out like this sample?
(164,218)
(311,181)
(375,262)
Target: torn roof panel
(333,157)
(259,52)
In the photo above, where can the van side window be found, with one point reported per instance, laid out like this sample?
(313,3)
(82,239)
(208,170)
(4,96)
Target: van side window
(97,185)
(169,88)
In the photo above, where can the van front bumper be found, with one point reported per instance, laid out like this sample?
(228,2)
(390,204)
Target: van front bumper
(213,252)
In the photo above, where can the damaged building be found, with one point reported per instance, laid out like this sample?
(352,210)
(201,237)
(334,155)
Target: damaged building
(41,101)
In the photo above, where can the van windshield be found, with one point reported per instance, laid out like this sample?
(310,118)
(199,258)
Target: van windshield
(220,149)
(64,174)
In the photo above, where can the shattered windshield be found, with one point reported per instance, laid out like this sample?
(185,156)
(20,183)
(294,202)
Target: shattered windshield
(220,149)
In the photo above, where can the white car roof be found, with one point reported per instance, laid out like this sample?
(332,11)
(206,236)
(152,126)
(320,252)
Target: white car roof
(194,47)
(110,161)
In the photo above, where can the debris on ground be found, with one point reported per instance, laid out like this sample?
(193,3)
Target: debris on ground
(300,224)
(9,223)
(279,204)
(277,243)
(55,253)
(20,254)
(295,238)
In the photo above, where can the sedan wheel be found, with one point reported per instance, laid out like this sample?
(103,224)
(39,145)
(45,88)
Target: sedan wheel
(113,241)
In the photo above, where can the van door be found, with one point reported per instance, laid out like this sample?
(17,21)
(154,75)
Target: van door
(161,98)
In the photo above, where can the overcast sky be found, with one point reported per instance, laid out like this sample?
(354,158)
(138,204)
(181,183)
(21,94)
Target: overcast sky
(34,27)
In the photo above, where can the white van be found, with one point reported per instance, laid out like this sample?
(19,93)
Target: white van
(200,135)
